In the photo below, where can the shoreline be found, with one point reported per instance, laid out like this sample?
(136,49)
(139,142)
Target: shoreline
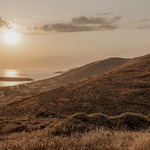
(15,79)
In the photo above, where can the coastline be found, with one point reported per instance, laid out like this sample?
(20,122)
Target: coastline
(15,79)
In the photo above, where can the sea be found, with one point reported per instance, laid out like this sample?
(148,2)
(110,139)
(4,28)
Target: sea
(34,74)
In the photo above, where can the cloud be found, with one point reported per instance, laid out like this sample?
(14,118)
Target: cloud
(3,23)
(61,27)
(88,20)
(144,20)
(106,21)
(144,27)
(106,27)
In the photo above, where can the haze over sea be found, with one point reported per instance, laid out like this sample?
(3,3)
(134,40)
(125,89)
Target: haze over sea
(17,73)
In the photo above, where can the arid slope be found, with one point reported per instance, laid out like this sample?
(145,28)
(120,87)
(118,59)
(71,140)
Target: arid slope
(124,89)
(14,93)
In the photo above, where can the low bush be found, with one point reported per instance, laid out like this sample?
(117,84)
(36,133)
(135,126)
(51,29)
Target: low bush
(131,121)
(18,128)
(81,123)
(99,119)
(78,122)
(148,116)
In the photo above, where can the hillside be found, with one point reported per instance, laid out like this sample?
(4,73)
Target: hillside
(93,69)
(11,94)
(81,73)
(124,89)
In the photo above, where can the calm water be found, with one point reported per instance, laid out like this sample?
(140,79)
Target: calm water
(34,74)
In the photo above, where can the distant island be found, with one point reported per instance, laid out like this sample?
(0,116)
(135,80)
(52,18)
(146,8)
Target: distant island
(61,72)
(14,79)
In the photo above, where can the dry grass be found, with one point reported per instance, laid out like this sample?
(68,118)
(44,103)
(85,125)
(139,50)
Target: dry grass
(124,89)
(79,122)
(22,91)
(14,125)
(94,140)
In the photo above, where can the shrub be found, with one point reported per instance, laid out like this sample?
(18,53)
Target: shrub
(78,122)
(81,123)
(45,114)
(19,128)
(131,121)
(99,119)
(148,116)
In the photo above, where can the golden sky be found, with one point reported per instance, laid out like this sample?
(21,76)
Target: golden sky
(60,34)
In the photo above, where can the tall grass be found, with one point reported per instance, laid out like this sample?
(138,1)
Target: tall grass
(95,140)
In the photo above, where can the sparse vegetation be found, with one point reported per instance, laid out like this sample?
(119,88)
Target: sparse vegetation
(79,122)
(94,140)
(124,89)
(49,120)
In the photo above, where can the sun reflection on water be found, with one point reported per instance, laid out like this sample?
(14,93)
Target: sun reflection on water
(9,83)
(11,73)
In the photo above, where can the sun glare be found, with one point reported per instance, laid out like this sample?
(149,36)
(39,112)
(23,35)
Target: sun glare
(11,37)
(11,73)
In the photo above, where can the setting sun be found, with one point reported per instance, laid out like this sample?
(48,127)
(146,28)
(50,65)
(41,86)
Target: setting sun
(11,37)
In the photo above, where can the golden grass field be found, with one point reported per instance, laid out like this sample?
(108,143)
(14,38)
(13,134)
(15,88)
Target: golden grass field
(94,140)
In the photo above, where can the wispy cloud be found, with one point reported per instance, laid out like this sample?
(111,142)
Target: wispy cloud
(62,27)
(146,23)
(3,23)
(144,20)
(143,23)
(106,21)
(101,22)
(144,27)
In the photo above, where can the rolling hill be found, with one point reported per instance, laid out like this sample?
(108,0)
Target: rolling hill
(15,93)
(124,89)
(81,73)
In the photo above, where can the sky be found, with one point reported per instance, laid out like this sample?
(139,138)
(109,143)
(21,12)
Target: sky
(63,34)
